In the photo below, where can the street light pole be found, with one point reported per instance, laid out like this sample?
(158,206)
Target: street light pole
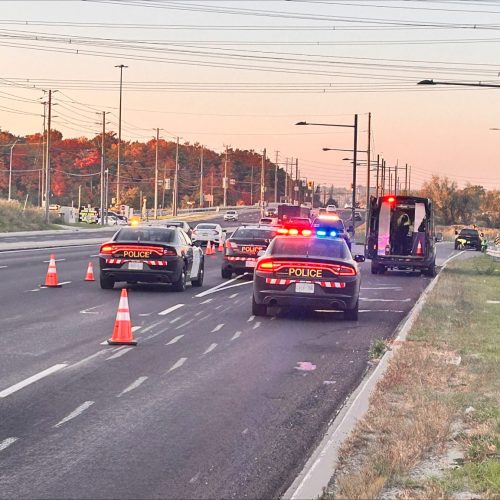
(459,84)
(47,159)
(201,177)
(155,211)
(104,206)
(224,182)
(121,66)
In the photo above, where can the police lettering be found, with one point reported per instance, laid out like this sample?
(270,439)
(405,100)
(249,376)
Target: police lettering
(305,273)
(250,249)
(136,253)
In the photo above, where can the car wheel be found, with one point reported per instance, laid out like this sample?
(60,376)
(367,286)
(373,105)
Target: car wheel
(430,271)
(180,284)
(352,314)
(226,273)
(201,274)
(106,282)
(258,309)
(456,246)
(376,269)
(478,249)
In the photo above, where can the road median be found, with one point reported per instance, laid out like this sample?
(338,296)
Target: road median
(432,427)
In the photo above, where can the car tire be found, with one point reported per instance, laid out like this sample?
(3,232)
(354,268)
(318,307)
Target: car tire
(201,274)
(430,271)
(258,309)
(226,273)
(106,282)
(376,269)
(180,284)
(352,314)
(478,249)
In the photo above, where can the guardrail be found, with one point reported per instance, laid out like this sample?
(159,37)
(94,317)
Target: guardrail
(495,253)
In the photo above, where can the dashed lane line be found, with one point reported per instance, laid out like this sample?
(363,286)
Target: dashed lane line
(120,353)
(251,318)
(177,319)
(234,295)
(170,309)
(30,380)
(205,317)
(3,267)
(236,335)
(217,328)
(222,286)
(177,364)
(256,325)
(56,260)
(7,442)
(132,386)
(206,301)
(199,312)
(75,413)
(174,340)
(380,310)
(384,300)
(186,323)
(211,348)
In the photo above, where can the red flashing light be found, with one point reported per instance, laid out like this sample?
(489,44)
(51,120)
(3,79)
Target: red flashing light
(391,199)
(270,266)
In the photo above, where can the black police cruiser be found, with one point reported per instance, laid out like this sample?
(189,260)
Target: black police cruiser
(147,254)
(241,249)
(316,272)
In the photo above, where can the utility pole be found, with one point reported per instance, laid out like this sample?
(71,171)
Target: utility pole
(355,160)
(42,181)
(251,188)
(406,179)
(10,167)
(47,159)
(121,66)
(396,179)
(155,210)
(368,150)
(104,207)
(262,182)
(176,181)
(409,178)
(376,185)
(286,181)
(212,189)
(276,178)
(382,182)
(224,181)
(201,177)
(297,179)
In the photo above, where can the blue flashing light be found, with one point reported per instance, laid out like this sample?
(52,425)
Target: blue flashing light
(320,232)
(333,233)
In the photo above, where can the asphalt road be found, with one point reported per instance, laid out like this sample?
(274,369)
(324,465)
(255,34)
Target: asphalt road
(211,403)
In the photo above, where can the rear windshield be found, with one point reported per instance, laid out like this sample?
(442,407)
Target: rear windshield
(310,247)
(332,224)
(146,234)
(299,220)
(206,226)
(263,234)
(468,232)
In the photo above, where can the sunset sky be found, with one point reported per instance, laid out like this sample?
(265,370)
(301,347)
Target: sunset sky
(242,73)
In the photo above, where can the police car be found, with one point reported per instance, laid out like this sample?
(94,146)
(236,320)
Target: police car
(333,226)
(241,249)
(151,254)
(316,272)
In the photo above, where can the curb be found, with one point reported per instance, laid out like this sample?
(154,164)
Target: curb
(320,467)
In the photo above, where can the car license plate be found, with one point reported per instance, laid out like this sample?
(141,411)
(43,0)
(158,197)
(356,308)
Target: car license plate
(135,266)
(250,263)
(304,287)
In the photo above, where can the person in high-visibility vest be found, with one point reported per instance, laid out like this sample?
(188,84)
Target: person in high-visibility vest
(484,242)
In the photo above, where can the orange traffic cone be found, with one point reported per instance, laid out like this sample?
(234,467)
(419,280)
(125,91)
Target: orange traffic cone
(419,248)
(51,278)
(209,248)
(220,248)
(122,332)
(90,273)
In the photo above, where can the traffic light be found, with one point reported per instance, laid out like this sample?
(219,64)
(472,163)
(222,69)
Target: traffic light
(310,184)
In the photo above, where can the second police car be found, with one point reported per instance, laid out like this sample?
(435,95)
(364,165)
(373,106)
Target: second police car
(313,272)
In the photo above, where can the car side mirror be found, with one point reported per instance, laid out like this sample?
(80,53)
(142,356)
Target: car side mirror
(261,253)
(359,258)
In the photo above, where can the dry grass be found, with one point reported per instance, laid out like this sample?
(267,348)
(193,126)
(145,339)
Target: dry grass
(423,397)
(14,218)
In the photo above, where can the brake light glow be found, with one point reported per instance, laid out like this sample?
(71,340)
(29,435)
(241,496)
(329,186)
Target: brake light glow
(107,249)
(266,266)
(282,230)
(294,231)
(274,266)
(169,251)
(391,199)
(231,244)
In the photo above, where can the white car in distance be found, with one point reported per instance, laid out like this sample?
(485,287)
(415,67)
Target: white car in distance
(205,232)
(231,215)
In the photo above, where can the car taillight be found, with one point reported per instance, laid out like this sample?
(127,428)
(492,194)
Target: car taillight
(106,249)
(169,252)
(231,244)
(293,231)
(346,271)
(266,266)
(282,230)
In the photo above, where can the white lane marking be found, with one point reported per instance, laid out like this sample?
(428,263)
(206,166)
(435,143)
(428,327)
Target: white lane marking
(88,358)
(177,319)
(237,301)
(236,335)
(245,431)
(234,295)
(30,380)
(75,413)
(194,478)
(59,284)
(178,364)
(251,318)
(34,290)
(273,318)
(256,325)
(175,339)
(96,255)
(132,386)
(120,353)
(211,348)
(56,260)
(170,309)
(104,343)
(89,310)
(379,310)
(7,442)
(145,314)
(384,300)
(186,323)
(150,327)
(135,328)
(382,288)
(493,301)
(217,328)
(206,301)
(221,286)
(199,312)
(233,286)
(3,267)
(219,307)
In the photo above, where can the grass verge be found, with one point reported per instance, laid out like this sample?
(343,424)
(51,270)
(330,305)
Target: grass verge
(433,427)
(14,218)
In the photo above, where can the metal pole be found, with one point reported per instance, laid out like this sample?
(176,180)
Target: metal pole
(355,159)
(42,183)
(251,188)
(368,149)
(47,159)
(409,178)
(396,179)
(121,66)
(106,198)
(406,179)
(276,178)
(155,211)
(224,181)
(10,167)
(201,177)
(262,182)
(103,206)
(377,186)
(176,181)
(286,181)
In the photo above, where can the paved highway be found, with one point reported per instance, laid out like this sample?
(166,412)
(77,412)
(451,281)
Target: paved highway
(211,403)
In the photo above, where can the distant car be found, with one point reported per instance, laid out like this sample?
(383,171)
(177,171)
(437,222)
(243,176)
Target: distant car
(331,208)
(151,254)
(269,221)
(205,232)
(468,238)
(271,212)
(242,248)
(231,215)
(114,220)
(312,273)
(181,224)
(332,226)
